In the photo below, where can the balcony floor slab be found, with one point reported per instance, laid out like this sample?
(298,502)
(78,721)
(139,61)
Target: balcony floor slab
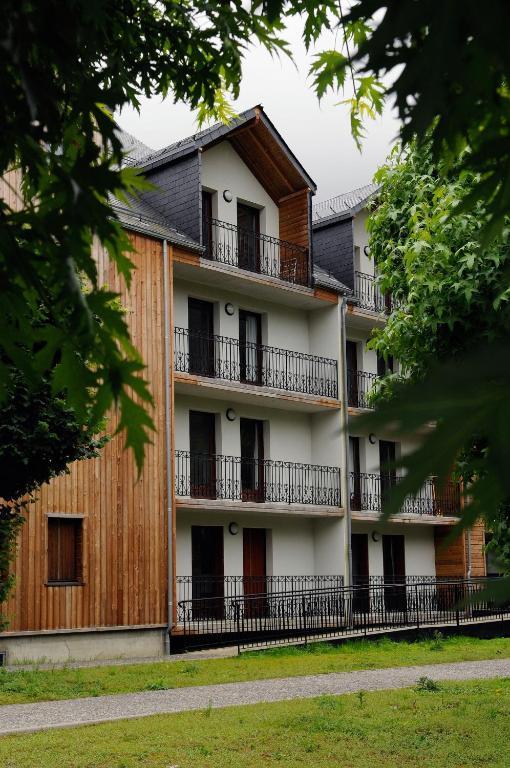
(213,273)
(364,319)
(406,518)
(220,389)
(269,508)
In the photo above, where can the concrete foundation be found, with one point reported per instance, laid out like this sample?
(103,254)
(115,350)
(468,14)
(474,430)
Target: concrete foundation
(83,645)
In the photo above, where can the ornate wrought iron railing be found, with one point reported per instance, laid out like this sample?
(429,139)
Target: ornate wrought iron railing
(198,587)
(359,384)
(369,295)
(230,359)
(255,252)
(213,476)
(310,614)
(368,490)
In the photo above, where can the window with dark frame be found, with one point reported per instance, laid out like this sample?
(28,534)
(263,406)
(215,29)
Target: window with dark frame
(65,545)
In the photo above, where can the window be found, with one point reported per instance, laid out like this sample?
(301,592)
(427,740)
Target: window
(385,365)
(65,543)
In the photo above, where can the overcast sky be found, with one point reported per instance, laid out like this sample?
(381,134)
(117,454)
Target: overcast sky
(319,134)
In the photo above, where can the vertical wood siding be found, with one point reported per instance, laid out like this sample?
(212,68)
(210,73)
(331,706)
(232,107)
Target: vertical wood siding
(294,225)
(478,549)
(451,557)
(124,526)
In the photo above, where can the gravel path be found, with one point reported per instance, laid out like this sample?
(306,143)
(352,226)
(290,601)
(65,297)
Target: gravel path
(22,718)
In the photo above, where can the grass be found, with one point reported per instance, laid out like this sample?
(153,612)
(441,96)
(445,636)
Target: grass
(459,725)
(45,685)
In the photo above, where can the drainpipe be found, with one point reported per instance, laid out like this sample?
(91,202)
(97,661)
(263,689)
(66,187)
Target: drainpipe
(344,475)
(168,443)
(469,553)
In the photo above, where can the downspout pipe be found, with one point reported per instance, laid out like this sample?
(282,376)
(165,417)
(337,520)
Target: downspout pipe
(345,472)
(168,442)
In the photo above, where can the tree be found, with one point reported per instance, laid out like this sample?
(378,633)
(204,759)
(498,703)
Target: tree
(450,295)
(39,437)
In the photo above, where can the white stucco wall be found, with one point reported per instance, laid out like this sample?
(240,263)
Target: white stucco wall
(315,332)
(288,434)
(296,546)
(361,238)
(324,325)
(419,547)
(222,168)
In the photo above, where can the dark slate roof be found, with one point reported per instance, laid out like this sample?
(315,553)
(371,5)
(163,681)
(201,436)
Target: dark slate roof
(137,215)
(133,147)
(215,133)
(323,279)
(343,206)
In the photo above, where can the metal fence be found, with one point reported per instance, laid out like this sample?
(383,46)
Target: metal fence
(368,491)
(359,384)
(199,587)
(255,252)
(310,614)
(213,476)
(230,359)
(369,295)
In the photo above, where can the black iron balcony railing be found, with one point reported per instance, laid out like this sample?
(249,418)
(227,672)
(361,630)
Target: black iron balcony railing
(225,358)
(368,490)
(254,252)
(359,384)
(198,587)
(369,295)
(278,617)
(212,476)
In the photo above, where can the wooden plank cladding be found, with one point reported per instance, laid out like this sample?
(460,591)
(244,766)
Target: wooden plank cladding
(478,566)
(294,228)
(123,534)
(294,225)
(452,557)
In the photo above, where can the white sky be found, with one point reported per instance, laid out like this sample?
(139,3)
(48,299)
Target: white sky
(319,134)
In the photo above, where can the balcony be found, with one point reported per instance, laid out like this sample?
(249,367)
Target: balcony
(369,295)
(254,252)
(221,357)
(368,490)
(234,478)
(359,385)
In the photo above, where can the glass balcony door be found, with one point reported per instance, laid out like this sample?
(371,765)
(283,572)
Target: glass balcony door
(250,347)
(252,459)
(201,339)
(202,455)
(248,245)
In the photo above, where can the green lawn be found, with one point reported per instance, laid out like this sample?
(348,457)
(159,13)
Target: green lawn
(45,685)
(459,725)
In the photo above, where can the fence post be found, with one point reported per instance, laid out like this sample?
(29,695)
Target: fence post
(237,613)
(417,607)
(457,612)
(303,610)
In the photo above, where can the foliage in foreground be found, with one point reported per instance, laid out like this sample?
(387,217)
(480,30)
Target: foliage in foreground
(451,296)
(461,724)
(23,686)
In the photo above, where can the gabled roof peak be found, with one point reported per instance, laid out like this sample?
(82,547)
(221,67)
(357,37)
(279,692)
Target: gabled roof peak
(265,139)
(344,205)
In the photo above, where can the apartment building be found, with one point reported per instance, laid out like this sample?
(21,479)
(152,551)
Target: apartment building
(236,306)
(241,486)
(411,546)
